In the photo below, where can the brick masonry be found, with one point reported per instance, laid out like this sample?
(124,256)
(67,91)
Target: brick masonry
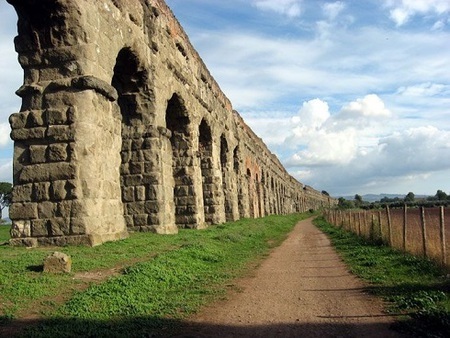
(122,128)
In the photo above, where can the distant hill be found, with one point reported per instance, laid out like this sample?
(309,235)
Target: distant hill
(375,197)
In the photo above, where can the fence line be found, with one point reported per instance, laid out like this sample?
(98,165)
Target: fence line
(420,231)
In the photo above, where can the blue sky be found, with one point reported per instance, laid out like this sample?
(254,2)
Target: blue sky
(353,96)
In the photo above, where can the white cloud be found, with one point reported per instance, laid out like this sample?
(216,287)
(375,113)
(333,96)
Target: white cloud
(10,70)
(313,114)
(4,134)
(438,25)
(341,154)
(402,11)
(253,68)
(367,107)
(273,128)
(289,8)
(406,158)
(6,170)
(427,89)
(325,139)
(333,9)
(415,150)
(327,149)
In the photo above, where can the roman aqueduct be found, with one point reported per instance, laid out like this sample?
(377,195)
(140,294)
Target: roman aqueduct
(123,128)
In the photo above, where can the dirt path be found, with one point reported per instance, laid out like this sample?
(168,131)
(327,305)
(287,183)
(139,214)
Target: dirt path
(302,290)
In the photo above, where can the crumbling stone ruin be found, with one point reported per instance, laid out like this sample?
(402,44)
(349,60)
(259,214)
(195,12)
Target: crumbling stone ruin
(123,128)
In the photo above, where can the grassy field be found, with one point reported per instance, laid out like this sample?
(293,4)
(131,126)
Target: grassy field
(416,289)
(152,281)
(146,285)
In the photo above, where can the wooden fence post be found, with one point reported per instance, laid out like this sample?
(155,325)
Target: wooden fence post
(379,224)
(442,237)
(351,222)
(359,223)
(366,234)
(388,214)
(424,231)
(372,227)
(405,225)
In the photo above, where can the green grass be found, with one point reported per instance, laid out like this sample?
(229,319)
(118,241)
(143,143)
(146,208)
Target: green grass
(4,232)
(173,277)
(413,287)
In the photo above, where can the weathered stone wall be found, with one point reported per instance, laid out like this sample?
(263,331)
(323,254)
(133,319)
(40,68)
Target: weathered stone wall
(122,127)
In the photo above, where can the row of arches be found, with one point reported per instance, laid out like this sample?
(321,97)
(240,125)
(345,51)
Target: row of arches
(130,131)
(194,172)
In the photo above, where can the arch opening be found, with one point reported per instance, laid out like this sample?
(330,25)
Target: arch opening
(130,84)
(250,193)
(129,81)
(258,204)
(226,179)
(239,188)
(177,121)
(207,170)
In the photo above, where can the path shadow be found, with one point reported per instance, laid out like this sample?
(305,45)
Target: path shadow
(158,327)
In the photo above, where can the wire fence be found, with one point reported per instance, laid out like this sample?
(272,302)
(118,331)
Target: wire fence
(419,231)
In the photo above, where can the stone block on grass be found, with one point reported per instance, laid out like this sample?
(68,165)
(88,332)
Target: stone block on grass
(58,262)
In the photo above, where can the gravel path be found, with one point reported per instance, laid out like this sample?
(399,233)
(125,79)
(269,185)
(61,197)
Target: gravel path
(302,290)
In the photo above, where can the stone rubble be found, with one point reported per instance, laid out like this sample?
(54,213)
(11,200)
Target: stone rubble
(58,262)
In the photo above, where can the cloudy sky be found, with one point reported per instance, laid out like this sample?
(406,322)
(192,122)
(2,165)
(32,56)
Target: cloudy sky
(353,96)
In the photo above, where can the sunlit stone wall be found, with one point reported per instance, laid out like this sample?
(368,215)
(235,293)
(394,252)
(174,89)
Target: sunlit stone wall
(122,128)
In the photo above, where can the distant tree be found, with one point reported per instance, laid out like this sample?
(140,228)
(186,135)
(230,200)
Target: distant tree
(5,196)
(345,204)
(325,193)
(390,200)
(358,200)
(441,196)
(410,197)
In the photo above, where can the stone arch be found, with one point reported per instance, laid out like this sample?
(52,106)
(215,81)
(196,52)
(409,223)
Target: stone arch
(237,172)
(278,197)
(273,209)
(257,192)
(178,123)
(205,144)
(250,193)
(223,151)
(129,83)
(264,205)
(236,160)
